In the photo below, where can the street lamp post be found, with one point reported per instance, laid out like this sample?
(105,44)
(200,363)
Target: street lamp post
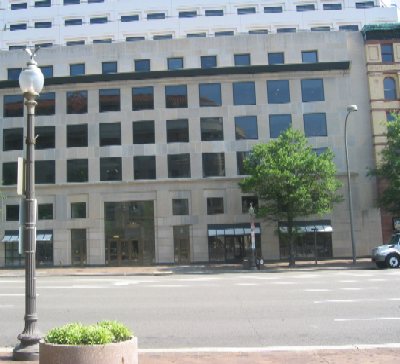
(252,260)
(31,82)
(350,109)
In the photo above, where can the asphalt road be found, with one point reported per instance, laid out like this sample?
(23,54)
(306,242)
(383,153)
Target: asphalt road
(321,308)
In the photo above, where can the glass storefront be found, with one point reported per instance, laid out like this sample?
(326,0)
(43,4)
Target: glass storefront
(78,247)
(129,233)
(182,244)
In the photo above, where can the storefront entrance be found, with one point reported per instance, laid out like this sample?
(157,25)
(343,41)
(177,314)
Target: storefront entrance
(78,247)
(129,228)
(182,244)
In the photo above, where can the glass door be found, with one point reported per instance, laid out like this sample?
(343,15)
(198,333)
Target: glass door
(182,244)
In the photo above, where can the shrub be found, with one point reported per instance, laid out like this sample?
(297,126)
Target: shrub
(104,332)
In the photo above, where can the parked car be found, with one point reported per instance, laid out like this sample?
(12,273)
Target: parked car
(388,255)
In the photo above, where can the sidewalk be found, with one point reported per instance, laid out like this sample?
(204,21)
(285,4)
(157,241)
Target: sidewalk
(339,264)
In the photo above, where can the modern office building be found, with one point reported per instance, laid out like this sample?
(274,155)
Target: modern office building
(140,146)
(70,22)
(382,46)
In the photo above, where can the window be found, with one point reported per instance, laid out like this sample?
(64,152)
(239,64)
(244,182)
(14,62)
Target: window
(224,33)
(276,58)
(305,7)
(319,151)
(77,135)
(196,35)
(103,41)
(332,6)
(14,47)
(13,139)
(387,52)
(215,205)
(43,24)
(309,56)
(108,67)
(47,173)
(71,2)
(42,3)
(109,100)
(133,39)
(14,27)
(143,98)
(286,30)
(214,12)
(153,16)
(99,20)
(142,65)
(109,134)
(365,4)
(45,211)
(258,31)
(13,73)
(144,167)
(175,63)
(47,71)
(12,212)
(179,165)
(211,129)
(46,103)
(77,69)
(278,123)
(13,106)
(162,36)
(389,86)
(208,61)
(78,210)
(19,6)
(75,42)
(244,93)
(350,27)
(129,18)
(321,29)
(110,169)
(95,1)
(246,127)
(77,170)
(391,116)
(210,94)
(143,132)
(176,96)
(69,22)
(247,201)
(244,11)
(312,90)
(43,45)
(77,102)
(273,9)
(242,59)
(177,131)
(240,157)
(10,170)
(213,164)
(278,91)
(180,206)
(46,137)
(315,124)
(188,14)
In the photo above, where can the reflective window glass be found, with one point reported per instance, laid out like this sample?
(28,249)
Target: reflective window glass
(77,170)
(13,139)
(211,129)
(109,100)
(78,210)
(246,127)
(45,211)
(109,134)
(143,98)
(242,59)
(180,206)
(312,90)
(108,67)
(179,165)
(77,102)
(13,106)
(12,212)
(176,96)
(240,157)
(143,132)
(142,65)
(13,73)
(244,93)
(208,61)
(210,94)
(215,205)
(10,171)
(177,131)
(278,123)
(77,135)
(389,85)
(77,69)
(47,173)
(144,167)
(278,91)
(309,56)
(315,124)
(46,137)
(110,169)
(387,52)
(213,164)
(175,63)
(276,58)
(46,104)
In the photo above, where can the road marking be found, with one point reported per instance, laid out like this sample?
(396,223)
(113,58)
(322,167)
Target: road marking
(283,283)
(358,300)
(165,285)
(348,281)
(367,319)
(351,289)
(246,284)
(378,280)
(267,278)
(317,290)
(12,294)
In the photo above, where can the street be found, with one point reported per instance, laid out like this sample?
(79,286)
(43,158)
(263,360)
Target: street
(226,310)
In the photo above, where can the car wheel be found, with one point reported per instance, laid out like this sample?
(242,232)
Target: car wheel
(381,265)
(392,261)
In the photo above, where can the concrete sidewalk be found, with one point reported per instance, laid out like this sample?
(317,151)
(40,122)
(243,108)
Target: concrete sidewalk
(362,263)
(309,356)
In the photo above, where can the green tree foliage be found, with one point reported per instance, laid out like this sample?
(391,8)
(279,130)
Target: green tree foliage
(291,181)
(389,168)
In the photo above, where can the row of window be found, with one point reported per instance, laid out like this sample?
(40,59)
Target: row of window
(176,96)
(173,63)
(177,131)
(144,168)
(180,207)
(207,12)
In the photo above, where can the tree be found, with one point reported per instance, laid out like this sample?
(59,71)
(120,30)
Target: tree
(291,181)
(388,169)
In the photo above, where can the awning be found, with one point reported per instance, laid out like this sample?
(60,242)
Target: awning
(10,238)
(14,237)
(321,226)
(232,229)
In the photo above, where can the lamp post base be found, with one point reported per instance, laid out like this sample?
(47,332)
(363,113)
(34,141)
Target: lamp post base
(27,349)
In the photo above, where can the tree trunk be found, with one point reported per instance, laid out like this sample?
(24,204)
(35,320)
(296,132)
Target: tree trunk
(291,236)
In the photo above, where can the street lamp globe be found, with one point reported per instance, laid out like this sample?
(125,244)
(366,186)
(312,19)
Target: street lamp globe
(31,79)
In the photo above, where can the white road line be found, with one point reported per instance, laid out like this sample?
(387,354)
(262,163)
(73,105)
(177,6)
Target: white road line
(12,294)
(317,290)
(284,283)
(74,286)
(367,319)
(358,300)
(378,280)
(351,289)
(348,281)
(246,284)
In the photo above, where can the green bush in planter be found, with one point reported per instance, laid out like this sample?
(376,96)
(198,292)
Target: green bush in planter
(104,332)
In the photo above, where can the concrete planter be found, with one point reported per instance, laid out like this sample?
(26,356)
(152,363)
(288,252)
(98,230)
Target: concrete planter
(125,352)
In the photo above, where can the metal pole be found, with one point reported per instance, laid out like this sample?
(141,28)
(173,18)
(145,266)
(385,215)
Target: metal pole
(252,261)
(28,348)
(315,245)
(353,245)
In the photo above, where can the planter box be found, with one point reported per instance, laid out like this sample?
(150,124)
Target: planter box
(125,352)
